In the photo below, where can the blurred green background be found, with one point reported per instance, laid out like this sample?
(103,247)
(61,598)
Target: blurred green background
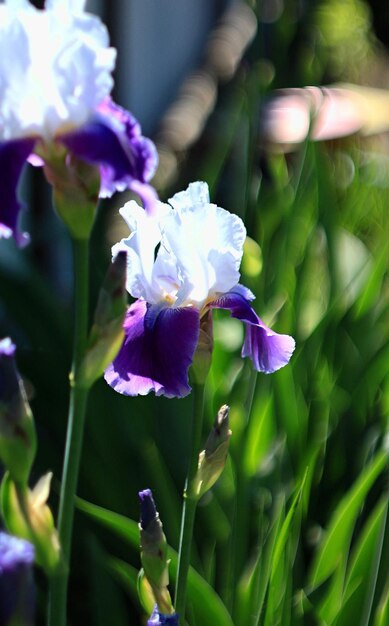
(317,259)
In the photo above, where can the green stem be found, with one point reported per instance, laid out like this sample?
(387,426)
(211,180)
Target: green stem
(74,435)
(240,519)
(190,504)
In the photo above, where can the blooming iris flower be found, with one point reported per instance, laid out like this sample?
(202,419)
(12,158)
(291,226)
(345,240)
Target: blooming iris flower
(183,261)
(16,585)
(55,81)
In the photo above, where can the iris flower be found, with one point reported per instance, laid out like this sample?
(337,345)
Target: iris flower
(183,261)
(55,81)
(160,619)
(17,596)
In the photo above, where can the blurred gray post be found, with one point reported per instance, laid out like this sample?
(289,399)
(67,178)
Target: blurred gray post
(158,42)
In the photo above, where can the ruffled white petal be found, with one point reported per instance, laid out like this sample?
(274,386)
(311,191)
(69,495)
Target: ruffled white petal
(197,194)
(207,242)
(55,67)
(186,255)
(151,274)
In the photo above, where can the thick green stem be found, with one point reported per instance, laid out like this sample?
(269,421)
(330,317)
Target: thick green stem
(190,503)
(74,435)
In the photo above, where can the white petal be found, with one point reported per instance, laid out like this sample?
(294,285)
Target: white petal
(183,256)
(18,4)
(55,67)
(71,5)
(196,194)
(207,242)
(142,273)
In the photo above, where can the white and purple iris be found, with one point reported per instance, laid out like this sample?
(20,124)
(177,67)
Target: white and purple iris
(55,81)
(183,260)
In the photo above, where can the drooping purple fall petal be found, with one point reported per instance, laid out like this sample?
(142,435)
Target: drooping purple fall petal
(157,351)
(269,351)
(113,140)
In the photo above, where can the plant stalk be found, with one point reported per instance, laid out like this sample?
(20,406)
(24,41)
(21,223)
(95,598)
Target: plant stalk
(189,504)
(74,436)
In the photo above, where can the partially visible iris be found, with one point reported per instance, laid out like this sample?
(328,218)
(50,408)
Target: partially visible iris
(16,584)
(183,261)
(55,81)
(160,619)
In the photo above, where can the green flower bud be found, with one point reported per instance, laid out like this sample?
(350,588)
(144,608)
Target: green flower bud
(203,356)
(213,458)
(154,552)
(76,186)
(107,334)
(17,432)
(27,515)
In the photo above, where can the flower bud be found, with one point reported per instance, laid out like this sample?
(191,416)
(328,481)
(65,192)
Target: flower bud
(160,619)
(154,552)
(203,356)
(17,593)
(106,335)
(27,515)
(76,186)
(213,458)
(17,432)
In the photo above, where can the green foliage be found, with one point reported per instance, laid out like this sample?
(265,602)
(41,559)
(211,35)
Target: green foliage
(295,531)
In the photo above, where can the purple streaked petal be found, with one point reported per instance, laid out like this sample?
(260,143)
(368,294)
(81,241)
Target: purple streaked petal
(113,140)
(269,351)
(13,155)
(238,302)
(157,351)
(129,130)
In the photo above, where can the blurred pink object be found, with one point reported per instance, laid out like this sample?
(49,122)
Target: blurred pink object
(323,113)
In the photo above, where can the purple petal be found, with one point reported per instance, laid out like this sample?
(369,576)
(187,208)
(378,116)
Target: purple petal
(157,351)
(268,350)
(148,511)
(7,348)
(13,155)
(113,140)
(159,619)
(14,552)
(9,382)
(17,594)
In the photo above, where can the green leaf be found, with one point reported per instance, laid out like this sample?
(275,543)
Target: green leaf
(362,576)
(286,527)
(282,560)
(125,528)
(341,526)
(253,585)
(105,597)
(382,613)
(372,287)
